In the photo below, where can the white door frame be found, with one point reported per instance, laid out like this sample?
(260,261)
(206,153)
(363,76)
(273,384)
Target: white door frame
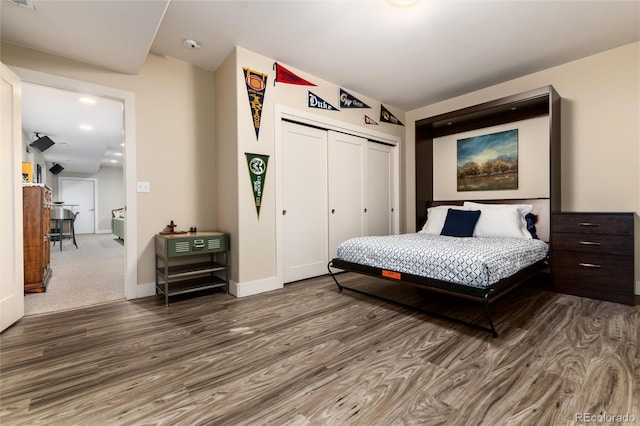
(128,99)
(284,112)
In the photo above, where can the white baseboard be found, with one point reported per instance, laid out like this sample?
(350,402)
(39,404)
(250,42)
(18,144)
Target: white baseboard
(145,290)
(238,290)
(253,287)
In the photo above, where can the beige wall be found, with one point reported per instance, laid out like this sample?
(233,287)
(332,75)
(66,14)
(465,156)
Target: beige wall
(600,130)
(226,155)
(175,139)
(256,247)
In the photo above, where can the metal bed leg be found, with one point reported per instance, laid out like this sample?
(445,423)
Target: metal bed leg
(487,311)
(333,275)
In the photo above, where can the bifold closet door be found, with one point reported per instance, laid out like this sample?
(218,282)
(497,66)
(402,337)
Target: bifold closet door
(304,201)
(347,165)
(379,189)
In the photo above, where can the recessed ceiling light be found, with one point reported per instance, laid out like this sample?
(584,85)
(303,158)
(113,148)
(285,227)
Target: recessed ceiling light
(118,154)
(114,161)
(88,101)
(85,127)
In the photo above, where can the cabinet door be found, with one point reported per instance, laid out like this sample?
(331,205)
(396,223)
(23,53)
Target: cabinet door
(379,189)
(347,172)
(304,202)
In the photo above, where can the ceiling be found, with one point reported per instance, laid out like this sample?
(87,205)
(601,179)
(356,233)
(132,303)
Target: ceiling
(405,57)
(87,129)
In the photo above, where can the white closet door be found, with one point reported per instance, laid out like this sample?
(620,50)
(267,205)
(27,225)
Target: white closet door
(347,171)
(304,202)
(379,189)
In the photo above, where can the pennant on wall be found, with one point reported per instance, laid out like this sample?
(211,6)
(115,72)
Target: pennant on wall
(283,75)
(315,101)
(369,120)
(257,164)
(347,100)
(387,117)
(256,84)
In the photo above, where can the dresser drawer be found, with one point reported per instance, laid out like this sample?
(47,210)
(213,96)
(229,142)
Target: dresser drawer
(189,245)
(620,245)
(601,277)
(593,223)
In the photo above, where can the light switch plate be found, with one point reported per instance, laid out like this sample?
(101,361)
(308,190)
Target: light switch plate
(144,187)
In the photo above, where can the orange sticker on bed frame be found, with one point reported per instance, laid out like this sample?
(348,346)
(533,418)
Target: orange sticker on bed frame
(391,274)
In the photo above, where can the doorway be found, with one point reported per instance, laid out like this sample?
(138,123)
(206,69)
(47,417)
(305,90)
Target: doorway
(128,271)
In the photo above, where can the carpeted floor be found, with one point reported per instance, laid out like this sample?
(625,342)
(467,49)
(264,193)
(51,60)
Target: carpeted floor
(89,275)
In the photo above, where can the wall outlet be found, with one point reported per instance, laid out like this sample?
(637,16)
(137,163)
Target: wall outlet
(144,187)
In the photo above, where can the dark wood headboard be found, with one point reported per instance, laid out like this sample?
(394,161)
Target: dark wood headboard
(540,208)
(544,101)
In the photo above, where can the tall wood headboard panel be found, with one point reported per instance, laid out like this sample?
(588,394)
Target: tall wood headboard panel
(544,101)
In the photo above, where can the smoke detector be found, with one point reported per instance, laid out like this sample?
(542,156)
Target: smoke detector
(191,44)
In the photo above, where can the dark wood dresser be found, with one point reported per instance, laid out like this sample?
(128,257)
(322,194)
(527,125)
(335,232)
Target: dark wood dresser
(36,210)
(592,255)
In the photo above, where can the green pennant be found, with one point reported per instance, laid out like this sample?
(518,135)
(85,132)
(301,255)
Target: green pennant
(257,164)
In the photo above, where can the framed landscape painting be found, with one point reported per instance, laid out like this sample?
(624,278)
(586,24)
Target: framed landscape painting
(488,162)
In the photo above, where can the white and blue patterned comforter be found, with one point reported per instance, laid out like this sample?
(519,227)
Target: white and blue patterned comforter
(477,262)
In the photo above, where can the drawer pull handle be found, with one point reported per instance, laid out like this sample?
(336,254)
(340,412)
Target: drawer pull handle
(590,243)
(589,224)
(590,265)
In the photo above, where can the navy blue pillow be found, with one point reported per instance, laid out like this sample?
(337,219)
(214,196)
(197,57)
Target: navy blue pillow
(460,223)
(531,227)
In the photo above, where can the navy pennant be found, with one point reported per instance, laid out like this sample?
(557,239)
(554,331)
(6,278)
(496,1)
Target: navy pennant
(347,100)
(387,117)
(315,101)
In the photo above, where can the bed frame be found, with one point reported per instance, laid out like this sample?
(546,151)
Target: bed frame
(476,294)
(544,101)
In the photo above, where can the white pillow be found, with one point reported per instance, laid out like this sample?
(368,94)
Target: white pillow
(501,220)
(436,217)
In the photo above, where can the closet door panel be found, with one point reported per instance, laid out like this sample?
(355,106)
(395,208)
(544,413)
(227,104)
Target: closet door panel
(379,189)
(304,195)
(346,174)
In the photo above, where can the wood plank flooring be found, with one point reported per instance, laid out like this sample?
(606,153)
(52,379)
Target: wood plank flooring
(310,355)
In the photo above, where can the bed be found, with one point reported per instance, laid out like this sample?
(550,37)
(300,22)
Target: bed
(477,251)
(117,222)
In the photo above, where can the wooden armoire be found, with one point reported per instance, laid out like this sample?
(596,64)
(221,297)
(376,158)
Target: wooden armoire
(36,211)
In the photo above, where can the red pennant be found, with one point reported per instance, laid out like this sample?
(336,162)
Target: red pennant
(283,75)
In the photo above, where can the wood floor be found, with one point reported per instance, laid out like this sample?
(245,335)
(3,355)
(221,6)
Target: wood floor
(310,355)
